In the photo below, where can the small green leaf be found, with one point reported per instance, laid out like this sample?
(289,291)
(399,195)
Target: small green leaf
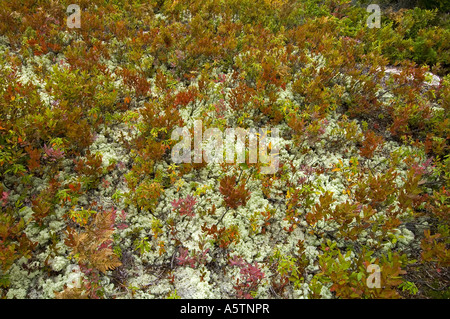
(359,276)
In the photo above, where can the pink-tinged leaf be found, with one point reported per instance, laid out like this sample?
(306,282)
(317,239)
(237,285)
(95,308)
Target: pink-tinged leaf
(122,226)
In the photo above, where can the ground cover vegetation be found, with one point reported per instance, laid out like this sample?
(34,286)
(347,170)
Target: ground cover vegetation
(93,206)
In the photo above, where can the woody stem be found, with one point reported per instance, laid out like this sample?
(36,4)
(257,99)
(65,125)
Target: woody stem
(223,215)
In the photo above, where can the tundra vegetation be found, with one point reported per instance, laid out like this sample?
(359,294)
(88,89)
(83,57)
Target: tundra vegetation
(92,205)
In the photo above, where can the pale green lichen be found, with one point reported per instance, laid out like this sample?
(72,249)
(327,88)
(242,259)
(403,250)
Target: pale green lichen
(20,280)
(189,284)
(59,263)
